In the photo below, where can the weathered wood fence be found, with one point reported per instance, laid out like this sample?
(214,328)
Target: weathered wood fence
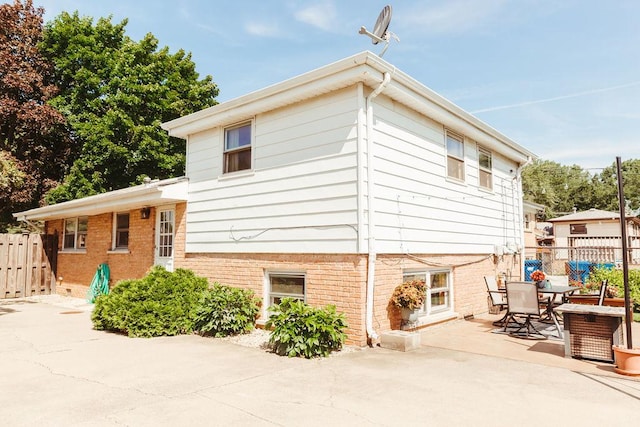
(27,265)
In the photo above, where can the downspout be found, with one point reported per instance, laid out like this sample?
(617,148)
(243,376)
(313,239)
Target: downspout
(521,211)
(371,273)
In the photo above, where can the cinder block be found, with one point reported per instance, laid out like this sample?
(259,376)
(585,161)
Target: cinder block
(400,340)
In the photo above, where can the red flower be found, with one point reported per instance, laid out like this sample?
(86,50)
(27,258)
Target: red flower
(537,276)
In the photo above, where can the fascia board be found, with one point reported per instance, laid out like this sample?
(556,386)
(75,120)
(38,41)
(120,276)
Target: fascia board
(115,201)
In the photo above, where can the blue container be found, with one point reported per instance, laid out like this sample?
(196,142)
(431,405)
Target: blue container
(607,265)
(531,265)
(579,270)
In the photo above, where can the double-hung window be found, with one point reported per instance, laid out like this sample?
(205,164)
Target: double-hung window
(121,231)
(455,156)
(237,148)
(438,290)
(286,285)
(75,233)
(485,172)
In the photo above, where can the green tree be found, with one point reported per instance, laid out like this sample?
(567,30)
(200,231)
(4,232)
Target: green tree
(115,93)
(563,188)
(33,147)
(606,186)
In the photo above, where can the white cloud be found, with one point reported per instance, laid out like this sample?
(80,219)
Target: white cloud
(262,30)
(453,16)
(321,15)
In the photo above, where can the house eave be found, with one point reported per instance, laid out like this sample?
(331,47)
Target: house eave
(363,67)
(156,193)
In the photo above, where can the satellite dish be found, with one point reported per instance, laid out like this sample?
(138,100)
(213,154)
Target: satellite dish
(382,25)
(381,31)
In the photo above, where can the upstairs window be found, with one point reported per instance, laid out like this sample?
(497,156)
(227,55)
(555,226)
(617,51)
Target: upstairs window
(237,148)
(455,156)
(578,228)
(121,231)
(75,233)
(485,172)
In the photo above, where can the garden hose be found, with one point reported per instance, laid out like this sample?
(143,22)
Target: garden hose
(99,284)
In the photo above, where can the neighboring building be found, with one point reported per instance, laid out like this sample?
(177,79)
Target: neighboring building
(130,230)
(595,236)
(338,185)
(532,232)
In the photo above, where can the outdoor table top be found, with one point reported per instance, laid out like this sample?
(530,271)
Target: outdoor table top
(558,289)
(602,310)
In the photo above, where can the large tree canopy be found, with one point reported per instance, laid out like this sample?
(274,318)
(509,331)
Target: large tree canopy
(33,146)
(115,93)
(563,188)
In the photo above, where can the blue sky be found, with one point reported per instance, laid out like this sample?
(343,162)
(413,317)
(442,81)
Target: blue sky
(560,77)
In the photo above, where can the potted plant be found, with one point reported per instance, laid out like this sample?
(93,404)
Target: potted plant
(538,277)
(409,297)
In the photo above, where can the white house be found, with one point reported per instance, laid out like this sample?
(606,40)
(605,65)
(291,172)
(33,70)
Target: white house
(334,187)
(337,185)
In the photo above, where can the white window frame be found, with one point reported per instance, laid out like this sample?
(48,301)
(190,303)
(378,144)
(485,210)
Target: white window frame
(79,238)
(488,171)
(114,239)
(453,158)
(227,152)
(428,310)
(269,295)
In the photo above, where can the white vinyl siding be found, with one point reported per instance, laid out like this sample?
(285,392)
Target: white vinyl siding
(419,210)
(302,194)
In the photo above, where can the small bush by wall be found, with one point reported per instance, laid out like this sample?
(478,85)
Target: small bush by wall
(301,330)
(225,310)
(161,303)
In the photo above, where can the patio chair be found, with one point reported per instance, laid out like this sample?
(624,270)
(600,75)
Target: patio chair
(497,298)
(603,291)
(523,301)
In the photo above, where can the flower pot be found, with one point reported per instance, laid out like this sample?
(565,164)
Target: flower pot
(627,360)
(540,284)
(409,315)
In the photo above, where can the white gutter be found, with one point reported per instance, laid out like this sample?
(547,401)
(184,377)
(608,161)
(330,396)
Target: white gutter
(371,269)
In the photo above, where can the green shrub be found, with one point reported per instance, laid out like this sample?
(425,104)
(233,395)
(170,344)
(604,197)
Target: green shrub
(161,303)
(616,281)
(301,330)
(227,311)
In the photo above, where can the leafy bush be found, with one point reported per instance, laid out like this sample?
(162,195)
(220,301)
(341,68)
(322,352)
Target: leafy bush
(301,330)
(616,281)
(161,303)
(227,311)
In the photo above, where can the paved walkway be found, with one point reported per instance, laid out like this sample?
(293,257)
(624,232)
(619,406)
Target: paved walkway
(56,370)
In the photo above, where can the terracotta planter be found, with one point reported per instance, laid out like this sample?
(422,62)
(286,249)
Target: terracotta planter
(627,360)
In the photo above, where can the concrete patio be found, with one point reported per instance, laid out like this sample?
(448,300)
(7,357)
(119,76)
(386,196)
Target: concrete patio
(56,370)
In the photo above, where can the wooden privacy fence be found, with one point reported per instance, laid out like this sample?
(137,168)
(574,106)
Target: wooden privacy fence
(27,265)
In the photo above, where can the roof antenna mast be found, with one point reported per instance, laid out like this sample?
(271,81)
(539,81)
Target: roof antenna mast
(381,33)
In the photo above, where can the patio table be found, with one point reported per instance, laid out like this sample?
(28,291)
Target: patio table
(554,290)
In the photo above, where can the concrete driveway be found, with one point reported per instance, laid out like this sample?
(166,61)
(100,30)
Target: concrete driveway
(56,370)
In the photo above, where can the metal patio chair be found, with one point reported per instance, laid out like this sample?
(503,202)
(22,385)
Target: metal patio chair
(523,302)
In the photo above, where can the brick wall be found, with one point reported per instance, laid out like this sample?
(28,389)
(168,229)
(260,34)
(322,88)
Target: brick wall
(341,280)
(76,269)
